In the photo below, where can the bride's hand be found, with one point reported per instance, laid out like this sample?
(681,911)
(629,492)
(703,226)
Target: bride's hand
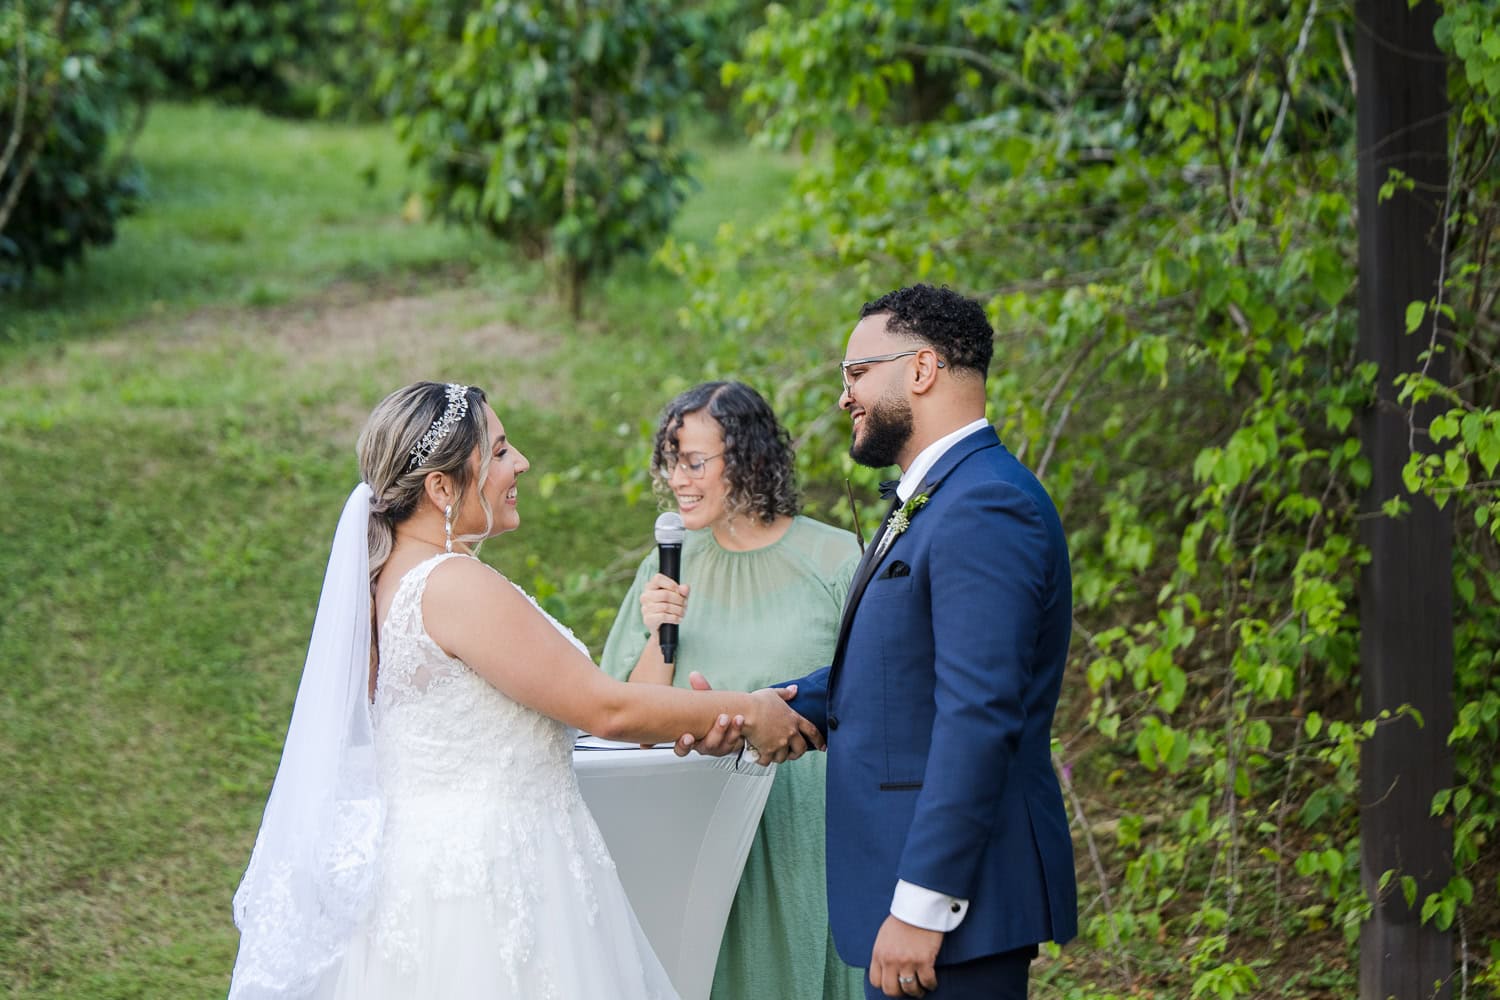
(723,739)
(664,601)
(777,733)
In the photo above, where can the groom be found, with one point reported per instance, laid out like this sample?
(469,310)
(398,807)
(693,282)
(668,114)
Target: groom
(949,857)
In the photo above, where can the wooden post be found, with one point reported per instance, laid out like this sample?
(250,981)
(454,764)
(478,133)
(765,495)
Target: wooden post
(1405,592)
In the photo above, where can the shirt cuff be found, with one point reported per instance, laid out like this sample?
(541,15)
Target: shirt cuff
(933,911)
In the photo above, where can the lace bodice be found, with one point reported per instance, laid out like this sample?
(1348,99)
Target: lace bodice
(440,727)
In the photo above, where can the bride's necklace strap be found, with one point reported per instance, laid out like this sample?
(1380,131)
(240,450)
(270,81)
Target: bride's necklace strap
(459,548)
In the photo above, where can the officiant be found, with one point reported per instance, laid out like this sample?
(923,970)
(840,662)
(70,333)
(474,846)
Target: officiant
(760,597)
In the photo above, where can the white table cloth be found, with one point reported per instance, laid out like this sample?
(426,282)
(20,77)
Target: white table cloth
(679,829)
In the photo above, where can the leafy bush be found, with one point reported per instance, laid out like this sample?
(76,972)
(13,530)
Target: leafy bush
(65,176)
(289,56)
(551,126)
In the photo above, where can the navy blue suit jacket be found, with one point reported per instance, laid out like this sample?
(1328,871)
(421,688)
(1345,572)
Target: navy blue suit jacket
(938,712)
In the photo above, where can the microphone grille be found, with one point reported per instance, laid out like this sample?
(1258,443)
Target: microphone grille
(669,529)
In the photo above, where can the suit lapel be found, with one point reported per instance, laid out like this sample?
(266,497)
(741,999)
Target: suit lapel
(862,574)
(983,438)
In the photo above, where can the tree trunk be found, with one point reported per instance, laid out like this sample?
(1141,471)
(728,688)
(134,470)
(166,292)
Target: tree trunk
(1405,593)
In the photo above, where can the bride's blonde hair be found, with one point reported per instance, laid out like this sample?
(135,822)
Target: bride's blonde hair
(396,453)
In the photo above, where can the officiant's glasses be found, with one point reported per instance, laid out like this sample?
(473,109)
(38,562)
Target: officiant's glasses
(693,465)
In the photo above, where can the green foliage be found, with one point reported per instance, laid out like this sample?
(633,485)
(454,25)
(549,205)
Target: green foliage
(65,101)
(551,126)
(288,56)
(75,82)
(1157,201)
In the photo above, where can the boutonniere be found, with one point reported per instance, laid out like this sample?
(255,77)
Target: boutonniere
(901,520)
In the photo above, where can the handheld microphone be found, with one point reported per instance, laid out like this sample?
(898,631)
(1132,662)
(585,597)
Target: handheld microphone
(669,536)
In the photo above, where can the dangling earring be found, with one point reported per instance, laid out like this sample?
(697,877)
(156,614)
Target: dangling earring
(448,527)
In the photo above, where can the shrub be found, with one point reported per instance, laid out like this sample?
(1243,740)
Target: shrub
(66,90)
(553,127)
(289,57)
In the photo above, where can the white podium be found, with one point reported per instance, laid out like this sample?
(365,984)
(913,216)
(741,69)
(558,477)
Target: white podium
(679,829)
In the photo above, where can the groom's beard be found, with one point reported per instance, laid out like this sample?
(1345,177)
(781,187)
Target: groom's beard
(886,429)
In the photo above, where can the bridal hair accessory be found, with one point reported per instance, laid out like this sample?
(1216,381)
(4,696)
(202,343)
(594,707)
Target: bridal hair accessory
(448,527)
(456,409)
(312,873)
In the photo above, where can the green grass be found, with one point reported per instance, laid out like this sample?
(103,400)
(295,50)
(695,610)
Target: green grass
(176,433)
(244,209)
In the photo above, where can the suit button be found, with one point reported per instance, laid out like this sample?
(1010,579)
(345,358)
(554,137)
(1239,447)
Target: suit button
(955,907)
(833,722)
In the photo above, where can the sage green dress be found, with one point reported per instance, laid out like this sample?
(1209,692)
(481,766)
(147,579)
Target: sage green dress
(755,618)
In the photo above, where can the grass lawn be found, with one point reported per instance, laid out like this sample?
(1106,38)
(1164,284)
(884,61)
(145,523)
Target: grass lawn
(177,421)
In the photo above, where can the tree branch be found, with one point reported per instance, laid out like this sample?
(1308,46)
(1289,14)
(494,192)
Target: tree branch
(48,99)
(1291,79)
(17,125)
(1088,834)
(984,62)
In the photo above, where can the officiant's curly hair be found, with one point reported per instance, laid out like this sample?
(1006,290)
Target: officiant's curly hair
(953,324)
(389,459)
(758,457)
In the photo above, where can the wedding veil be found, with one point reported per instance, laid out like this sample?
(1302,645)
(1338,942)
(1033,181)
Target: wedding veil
(313,869)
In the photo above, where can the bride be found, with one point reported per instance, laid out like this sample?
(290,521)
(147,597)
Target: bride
(425,836)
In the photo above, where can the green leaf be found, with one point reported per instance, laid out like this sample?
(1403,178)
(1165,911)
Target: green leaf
(1415,313)
(1313,725)
(1488,449)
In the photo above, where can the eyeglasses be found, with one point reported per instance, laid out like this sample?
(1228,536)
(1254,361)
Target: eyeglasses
(844,366)
(694,467)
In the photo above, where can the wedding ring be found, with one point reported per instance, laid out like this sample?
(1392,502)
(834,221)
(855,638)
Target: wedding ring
(906,980)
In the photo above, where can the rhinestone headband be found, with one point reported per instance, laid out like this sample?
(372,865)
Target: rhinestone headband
(456,410)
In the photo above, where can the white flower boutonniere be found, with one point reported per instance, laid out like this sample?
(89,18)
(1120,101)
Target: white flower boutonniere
(901,520)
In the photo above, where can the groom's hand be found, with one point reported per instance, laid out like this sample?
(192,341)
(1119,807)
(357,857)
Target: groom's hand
(777,732)
(902,964)
(786,734)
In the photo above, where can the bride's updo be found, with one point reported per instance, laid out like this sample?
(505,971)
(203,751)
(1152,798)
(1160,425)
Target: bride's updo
(397,450)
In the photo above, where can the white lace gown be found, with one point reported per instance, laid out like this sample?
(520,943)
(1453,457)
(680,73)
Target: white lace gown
(494,880)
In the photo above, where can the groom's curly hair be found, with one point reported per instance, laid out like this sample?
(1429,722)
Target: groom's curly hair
(953,324)
(758,457)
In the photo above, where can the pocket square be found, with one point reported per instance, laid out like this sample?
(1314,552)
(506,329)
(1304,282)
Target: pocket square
(896,569)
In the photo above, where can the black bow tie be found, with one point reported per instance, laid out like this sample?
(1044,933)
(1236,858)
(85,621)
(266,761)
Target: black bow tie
(888,488)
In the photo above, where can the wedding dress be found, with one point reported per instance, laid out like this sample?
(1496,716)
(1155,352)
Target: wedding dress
(492,878)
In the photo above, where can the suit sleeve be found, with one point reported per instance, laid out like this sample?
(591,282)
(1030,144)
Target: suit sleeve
(811,701)
(991,562)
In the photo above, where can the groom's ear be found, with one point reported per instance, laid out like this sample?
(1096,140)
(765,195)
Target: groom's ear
(924,372)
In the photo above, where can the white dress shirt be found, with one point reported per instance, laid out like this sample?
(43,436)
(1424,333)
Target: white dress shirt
(934,911)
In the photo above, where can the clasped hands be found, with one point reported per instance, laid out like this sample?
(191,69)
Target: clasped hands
(780,734)
(777,735)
